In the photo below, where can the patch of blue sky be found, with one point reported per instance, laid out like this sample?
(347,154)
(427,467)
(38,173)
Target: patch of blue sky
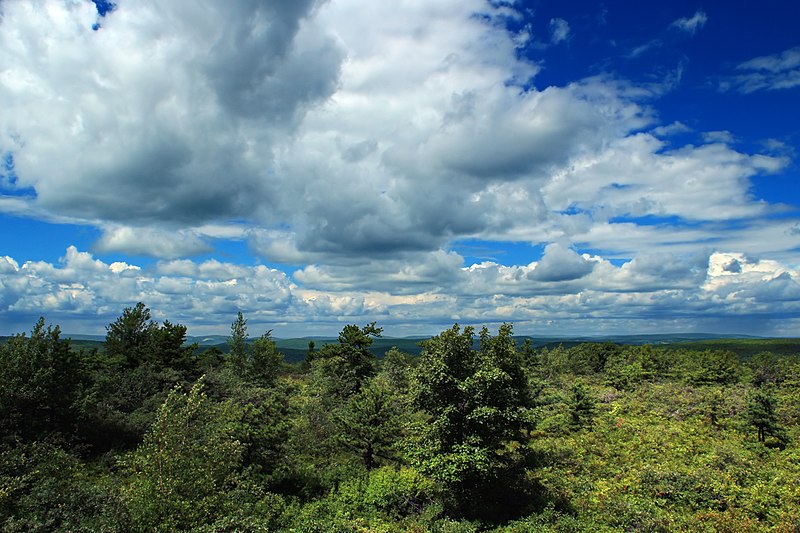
(104,7)
(8,179)
(28,239)
(781,188)
(654,220)
(505,253)
(227,251)
(238,252)
(575,210)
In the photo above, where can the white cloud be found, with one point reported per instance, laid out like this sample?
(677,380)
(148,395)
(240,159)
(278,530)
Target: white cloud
(359,141)
(153,242)
(691,24)
(82,286)
(635,177)
(786,60)
(347,149)
(686,292)
(667,130)
(774,72)
(559,263)
(725,137)
(167,113)
(559,30)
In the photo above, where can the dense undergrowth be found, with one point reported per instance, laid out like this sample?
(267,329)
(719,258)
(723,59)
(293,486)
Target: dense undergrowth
(145,435)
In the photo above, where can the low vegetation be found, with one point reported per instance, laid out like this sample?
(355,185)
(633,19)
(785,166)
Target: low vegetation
(476,433)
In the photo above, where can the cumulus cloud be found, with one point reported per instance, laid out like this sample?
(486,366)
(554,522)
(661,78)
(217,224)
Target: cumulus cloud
(559,263)
(305,131)
(82,287)
(719,137)
(635,177)
(82,292)
(167,113)
(357,142)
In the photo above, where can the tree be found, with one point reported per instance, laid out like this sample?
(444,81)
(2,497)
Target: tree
(135,339)
(582,405)
(237,342)
(341,369)
(396,368)
(710,366)
(266,360)
(369,423)
(477,403)
(143,361)
(762,414)
(40,378)
(167,347)
(190,456)
(128,338)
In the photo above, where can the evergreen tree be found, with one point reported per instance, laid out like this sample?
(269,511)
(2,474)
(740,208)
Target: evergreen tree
(265,362)
(369,423)
(762,414)
(237,343)
(341,369)
(582,405)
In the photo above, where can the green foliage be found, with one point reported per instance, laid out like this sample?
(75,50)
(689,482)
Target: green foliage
(179,474)
(44,488)
(128,337)
(237,342)
(476,401)
(134,339)
(762,415)
(583,359)
(341,369)
(582,405)
(266,361)
(41,378)
(709,367)
(466,437)
(119,404)
(263,428)
(392,493)
(769,369)
(396,369)
(632,365)
(369,423)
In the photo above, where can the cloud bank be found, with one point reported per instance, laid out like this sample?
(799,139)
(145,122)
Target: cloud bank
(363,142)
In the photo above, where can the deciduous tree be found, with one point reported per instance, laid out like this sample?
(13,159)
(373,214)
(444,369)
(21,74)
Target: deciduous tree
(477,401)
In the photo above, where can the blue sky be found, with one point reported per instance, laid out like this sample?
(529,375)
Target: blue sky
(571,167)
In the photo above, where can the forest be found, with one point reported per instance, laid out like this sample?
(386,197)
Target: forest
(479,432)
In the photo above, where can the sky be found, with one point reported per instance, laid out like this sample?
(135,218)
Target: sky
(571,167)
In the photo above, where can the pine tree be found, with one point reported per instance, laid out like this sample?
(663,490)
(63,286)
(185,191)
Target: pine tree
(237,343)
(761,413)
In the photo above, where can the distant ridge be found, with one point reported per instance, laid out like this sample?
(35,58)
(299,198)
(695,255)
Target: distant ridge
(536,340)
(295,349)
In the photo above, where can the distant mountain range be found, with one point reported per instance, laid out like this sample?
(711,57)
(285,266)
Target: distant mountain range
(538,340)
(295,349)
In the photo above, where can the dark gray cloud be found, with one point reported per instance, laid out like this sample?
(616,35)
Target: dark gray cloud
(168,113)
